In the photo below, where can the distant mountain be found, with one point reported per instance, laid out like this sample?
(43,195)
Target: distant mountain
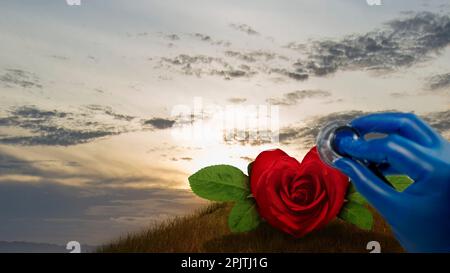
(28,247)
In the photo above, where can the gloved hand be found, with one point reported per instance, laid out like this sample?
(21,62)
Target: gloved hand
(420,215)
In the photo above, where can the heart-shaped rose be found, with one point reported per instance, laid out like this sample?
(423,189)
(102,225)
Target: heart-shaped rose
(295,197)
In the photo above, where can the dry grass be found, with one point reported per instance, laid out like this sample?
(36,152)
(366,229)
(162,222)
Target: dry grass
(207,231)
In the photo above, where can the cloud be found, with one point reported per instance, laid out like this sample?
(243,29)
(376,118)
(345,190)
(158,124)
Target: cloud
(12,165)
(439,120)
(398,95)
(440,81)
(57,128)
(56,137)
(202,37)
(207,38)
(61,213)
(182,158)
(305,135)
(19,78)
(200,65)
(172,37)
(184,59)
(160,123)
(295,97)
(231,73)
(253,56)
(103,207)
(107,110)
(59,57)
(296,46)
(247,158)
(298,76)
(237,100)
(398,44)
(244,28)
(401,43)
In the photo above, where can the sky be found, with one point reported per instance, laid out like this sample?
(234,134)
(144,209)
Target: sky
(106,108)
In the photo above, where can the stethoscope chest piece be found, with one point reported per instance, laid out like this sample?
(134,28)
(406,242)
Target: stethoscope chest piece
(326,140)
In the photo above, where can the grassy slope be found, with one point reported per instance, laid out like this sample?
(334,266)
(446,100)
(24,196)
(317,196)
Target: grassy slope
(207,231)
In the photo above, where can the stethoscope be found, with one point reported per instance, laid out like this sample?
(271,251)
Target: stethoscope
(329,152)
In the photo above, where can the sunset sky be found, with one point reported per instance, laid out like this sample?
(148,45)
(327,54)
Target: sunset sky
(89,146)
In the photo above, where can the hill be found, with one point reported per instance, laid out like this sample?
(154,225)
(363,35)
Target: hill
(207,231)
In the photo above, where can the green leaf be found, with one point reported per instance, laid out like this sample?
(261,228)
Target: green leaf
(357,198)
(357,215)
(243,216)
(400,182)
(249,168)
(220,183)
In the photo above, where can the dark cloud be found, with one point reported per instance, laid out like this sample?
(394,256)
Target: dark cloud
(252,56)
(247,158)
(200,65)
(56,137)
(244,28)
(439,81)
(439,120)
(160,123)
(402,43)
(297,46)
(399,43)
(12,165)
(398,94)
(223,43)
(52,127)
(19,78)
(107,110)
(182,158)
(172,37)
(59,57)
(207,38)
(295,97)
(231,73)
(236,100)
(298,76)
(189,60)
(202,37)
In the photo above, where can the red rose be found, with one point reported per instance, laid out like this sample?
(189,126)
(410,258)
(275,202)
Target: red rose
(294,197)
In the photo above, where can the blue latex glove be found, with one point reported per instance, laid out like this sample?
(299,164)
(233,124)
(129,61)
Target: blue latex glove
(420,215)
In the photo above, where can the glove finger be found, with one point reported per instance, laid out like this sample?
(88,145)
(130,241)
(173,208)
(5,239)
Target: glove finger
(403,155)
(379,194)
(405,124)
